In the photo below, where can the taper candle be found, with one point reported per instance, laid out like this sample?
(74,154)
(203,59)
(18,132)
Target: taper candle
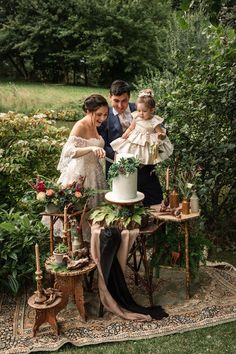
(167,178)
(65,219)
(37,257)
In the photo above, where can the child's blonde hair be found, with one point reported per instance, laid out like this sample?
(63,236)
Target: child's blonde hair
(146,96)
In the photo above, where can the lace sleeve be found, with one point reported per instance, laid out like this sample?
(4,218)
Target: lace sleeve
(68,151)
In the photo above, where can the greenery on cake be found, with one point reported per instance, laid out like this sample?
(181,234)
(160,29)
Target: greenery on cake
(125,167)
(128,217)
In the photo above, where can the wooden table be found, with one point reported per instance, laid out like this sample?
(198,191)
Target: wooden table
(71,284)
(60,216)
(140,246)
(183,221)
(45,313)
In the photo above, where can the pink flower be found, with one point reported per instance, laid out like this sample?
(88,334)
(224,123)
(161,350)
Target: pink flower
(50,193)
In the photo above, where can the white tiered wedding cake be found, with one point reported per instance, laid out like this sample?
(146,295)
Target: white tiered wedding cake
(124,185)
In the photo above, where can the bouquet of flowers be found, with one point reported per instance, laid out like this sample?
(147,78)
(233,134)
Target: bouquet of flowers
(186,180)
(73,196)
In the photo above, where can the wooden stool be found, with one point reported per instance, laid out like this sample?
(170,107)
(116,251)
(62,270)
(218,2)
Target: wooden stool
(71,284)
(45,313)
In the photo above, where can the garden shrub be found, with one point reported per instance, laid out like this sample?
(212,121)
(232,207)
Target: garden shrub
(28,147)
(199,105)
(18,234)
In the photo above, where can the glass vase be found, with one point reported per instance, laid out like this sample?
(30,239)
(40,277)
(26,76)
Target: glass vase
(194,203)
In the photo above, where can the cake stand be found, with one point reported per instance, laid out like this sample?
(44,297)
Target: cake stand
(110,198)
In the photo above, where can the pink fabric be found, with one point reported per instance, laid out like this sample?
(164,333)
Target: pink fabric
(127,239)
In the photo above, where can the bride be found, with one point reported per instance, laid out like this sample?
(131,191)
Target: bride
(83,150)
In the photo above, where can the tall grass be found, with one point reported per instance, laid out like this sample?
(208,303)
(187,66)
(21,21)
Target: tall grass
(33,97)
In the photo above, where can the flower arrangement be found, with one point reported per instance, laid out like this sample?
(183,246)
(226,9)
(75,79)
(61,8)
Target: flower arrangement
(73,196)
(186,180)
(125,166)
(108,215)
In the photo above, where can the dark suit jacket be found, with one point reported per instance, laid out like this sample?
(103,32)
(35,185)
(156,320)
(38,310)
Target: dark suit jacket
(110,130)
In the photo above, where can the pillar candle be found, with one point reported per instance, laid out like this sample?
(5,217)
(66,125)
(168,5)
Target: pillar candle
(37,257)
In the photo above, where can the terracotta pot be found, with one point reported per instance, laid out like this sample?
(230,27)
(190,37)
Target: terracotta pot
(185,206)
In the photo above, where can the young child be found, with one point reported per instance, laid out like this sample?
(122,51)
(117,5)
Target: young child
(145,138)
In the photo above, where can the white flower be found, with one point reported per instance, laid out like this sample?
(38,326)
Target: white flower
(189,185)
(41,196)
(39,115)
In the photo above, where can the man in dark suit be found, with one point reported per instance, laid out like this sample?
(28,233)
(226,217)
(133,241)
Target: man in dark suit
(119,117)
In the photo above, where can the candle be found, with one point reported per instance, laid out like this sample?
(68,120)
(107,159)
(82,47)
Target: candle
(167,178)
(37,257)
(65,219)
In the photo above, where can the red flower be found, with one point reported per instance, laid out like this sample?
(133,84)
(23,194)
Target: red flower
(40,186)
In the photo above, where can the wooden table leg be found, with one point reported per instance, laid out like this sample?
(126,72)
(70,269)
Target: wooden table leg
(186,236)
(45,315)
(148,270)
(72,286)
(79,295)
(64,285)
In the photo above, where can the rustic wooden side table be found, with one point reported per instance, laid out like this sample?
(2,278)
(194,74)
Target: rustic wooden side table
(71,283)
(45,313)
(140,246)
(184,222)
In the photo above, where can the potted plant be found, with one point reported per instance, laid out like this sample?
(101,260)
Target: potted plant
(185,182)
(59,253)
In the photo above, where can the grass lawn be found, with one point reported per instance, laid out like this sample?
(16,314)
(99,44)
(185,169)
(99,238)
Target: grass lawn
(32,97)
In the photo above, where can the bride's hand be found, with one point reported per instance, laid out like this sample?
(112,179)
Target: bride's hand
(99,152)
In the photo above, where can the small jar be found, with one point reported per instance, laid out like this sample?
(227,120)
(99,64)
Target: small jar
(76,244)
(194,203)
(185,206)
(174,199)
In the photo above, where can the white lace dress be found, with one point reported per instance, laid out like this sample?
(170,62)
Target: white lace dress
(87,165)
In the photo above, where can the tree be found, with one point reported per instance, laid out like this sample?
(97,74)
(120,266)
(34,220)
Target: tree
(95,41)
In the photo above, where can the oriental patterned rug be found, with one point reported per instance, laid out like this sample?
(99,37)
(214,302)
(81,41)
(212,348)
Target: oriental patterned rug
(213,301)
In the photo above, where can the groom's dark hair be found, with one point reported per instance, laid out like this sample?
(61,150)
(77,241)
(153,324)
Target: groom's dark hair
(119,87)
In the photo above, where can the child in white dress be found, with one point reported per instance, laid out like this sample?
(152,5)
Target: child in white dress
(145,138)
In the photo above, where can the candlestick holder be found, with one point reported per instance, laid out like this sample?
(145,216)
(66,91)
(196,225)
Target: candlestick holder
(40,297)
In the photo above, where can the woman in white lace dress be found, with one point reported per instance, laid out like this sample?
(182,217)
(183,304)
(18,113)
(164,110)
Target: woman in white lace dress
(83,150)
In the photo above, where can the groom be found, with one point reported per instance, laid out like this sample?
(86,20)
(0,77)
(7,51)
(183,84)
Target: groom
(119,117)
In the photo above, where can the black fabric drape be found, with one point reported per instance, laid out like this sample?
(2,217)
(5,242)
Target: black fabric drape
(149,184)
(110,239)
